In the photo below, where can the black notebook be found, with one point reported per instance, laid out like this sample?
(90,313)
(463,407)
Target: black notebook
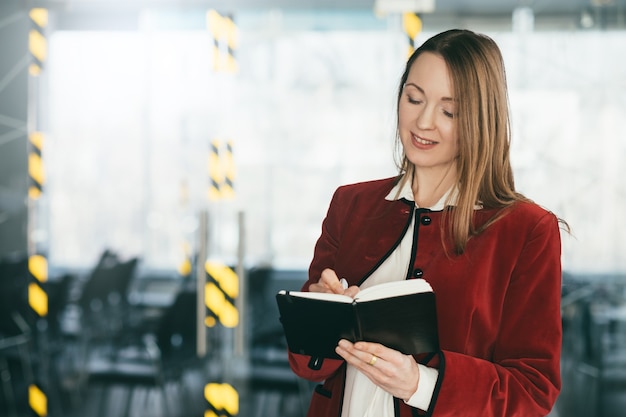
(401,315)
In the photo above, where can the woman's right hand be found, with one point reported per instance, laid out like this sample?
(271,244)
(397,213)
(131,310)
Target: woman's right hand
(329,282)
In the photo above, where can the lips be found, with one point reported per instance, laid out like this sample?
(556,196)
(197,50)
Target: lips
(421,142)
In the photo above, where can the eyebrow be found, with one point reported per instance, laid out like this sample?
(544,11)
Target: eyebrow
(421,90)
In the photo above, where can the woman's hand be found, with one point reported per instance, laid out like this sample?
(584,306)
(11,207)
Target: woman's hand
(329,282)
(391,370)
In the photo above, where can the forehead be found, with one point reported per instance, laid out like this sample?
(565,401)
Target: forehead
(430,73)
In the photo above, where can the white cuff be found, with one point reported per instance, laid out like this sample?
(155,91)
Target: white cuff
(425,388)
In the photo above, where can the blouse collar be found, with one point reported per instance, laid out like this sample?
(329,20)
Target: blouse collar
(405,191)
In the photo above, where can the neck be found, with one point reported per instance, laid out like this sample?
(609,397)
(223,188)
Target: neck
(430,184)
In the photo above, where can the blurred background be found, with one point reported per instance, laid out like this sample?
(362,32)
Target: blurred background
(165,166)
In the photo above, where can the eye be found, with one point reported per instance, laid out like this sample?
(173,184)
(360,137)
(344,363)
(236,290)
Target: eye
(448,114)
(413,100)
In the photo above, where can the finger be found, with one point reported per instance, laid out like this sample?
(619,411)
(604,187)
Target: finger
(330,279)
(346,350)
(351,291)
(357,356)
(373,348)
(317,287)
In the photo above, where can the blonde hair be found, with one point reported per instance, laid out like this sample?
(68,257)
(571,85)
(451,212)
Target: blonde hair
(484,173)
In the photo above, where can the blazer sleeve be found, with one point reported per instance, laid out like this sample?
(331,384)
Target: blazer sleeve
(324,256)
(523,377)
(327,246)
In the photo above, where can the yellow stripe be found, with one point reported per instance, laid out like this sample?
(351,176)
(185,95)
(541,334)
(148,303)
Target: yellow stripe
(39,16)
(216,301)
(220,306)
(223,29)
(35,168)
(214,298)
(412,24)
(37,400)
(36,139)
(184,268)
(34,193)
(215,23)
(37,299)
(37,45)
(231,29)
(38,267)
(35,163)
(232,40)
(225,277)
(222,397)
(229,316)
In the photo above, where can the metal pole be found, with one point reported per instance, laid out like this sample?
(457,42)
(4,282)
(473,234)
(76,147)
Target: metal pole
(241,300)
(201,332)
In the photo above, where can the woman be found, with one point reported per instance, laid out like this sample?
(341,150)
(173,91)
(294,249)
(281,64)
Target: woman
(453,218)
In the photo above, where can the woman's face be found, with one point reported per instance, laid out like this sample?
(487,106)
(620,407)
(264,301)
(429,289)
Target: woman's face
(426,114)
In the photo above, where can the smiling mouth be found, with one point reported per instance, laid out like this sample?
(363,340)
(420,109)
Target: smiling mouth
(423,141)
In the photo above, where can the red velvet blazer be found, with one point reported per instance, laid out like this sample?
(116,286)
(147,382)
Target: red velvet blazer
(498,304)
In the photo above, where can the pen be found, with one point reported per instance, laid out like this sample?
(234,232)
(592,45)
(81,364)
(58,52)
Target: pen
(344,283)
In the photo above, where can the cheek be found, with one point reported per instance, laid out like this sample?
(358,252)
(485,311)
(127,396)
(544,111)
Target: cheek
(449,132)
(403,117)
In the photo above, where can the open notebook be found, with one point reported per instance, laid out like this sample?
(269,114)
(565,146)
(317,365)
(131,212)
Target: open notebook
(401,315)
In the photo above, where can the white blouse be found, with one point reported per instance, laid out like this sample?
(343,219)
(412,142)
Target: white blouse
(362,397)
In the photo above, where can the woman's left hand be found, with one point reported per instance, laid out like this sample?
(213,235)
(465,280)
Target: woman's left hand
(391,370)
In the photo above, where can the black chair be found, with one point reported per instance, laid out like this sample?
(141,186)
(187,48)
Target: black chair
(276,390)
(105,292)
(102,307)
(150,361)
(58,291)
(103,300)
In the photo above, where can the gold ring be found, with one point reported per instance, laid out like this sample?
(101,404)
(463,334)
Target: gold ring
(373,360)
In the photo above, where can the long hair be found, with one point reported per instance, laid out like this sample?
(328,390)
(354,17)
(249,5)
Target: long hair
(484,173)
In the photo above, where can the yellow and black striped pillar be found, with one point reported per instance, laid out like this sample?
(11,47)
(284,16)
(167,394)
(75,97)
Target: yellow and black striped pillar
(215,23)
(228,186)
(221,290)
(215,171)
(412,25)
(38,302)
(225,41)
(232,42)
(36,171)
(37,43)
(37,263)
(37,297)
(223,400)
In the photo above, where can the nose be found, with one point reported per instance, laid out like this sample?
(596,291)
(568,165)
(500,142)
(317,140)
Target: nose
(426,118)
